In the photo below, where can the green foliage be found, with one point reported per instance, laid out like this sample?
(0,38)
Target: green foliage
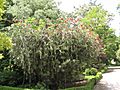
(9,88)
(5,43)
(56,54)
(54,51)
(97,18)
(96,15)
(10,74)
(5,78)
(118,54)
(1,7)
(40,86)
(36,8)
(97,76)
(92,80)
(13,88)
(6,75)
(117,61)
(91,71)
(35,24)
(1,56)
(87,72)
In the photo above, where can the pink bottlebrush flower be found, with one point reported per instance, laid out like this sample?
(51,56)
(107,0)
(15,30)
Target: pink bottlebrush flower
(65,21)
(61,19)
(71,19)
(20,21)
(78,19)
(29,25)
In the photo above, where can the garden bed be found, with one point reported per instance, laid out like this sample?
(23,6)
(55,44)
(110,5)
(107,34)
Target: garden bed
(79,85)
(92,80)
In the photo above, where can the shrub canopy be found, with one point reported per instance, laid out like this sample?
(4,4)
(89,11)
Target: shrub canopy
(55,54)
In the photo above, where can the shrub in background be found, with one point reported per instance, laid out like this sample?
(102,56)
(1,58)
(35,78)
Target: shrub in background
(118,54)
(1,7)
(6,73)
(94,16)
(5,43)
(91,71)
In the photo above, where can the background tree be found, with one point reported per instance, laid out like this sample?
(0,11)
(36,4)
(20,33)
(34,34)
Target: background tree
(36,8)
(1,7)
(118,8)
(97,18)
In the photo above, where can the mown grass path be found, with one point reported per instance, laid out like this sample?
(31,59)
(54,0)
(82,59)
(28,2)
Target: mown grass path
(110,80)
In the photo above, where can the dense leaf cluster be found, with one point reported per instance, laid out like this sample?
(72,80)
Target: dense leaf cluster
(36,8)
(56,54)
(1,7)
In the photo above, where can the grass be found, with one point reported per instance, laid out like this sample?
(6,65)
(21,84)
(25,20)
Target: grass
(12,88)
(9,88)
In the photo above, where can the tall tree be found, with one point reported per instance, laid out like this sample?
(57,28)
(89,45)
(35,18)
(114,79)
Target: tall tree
(36,8)
(97,18)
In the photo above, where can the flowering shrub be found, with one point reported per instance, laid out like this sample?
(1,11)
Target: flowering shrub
(56,54)
(30,23)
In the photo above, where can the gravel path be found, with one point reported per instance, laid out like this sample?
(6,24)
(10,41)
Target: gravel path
(110,81)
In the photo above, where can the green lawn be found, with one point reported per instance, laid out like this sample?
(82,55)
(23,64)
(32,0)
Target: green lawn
(12,88)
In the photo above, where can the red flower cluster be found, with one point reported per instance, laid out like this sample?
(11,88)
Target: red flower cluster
(69,24)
